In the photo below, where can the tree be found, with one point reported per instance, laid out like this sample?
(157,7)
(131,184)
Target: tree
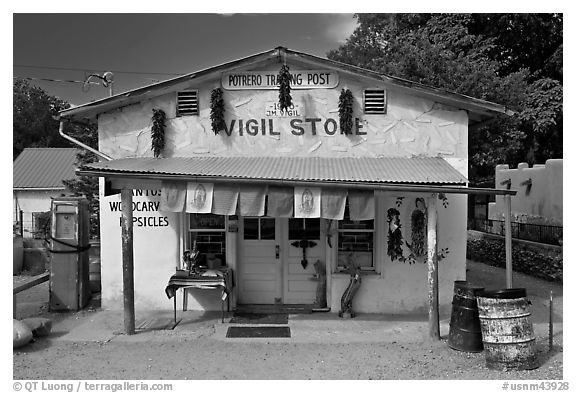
(477,55)
(35,126)
(33,118)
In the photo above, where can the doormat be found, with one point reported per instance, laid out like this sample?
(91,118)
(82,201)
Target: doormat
(258,332)
(258,318)
(157,324)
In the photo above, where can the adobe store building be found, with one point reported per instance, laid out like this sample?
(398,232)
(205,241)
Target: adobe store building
(389,194)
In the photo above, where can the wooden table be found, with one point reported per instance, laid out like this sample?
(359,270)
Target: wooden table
(225,282)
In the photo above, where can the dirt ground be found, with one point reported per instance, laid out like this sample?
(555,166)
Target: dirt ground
(323,351)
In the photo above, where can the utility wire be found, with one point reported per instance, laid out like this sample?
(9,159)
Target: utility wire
(85,69)
(53,80)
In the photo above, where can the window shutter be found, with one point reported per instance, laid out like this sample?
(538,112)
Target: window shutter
(187,103)
(375,101)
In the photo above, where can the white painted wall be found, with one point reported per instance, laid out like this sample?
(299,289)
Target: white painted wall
(32,202)
(402,288)
(412,126)
(156,252)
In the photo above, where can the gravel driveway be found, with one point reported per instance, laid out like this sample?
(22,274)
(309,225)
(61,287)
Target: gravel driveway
(377,348)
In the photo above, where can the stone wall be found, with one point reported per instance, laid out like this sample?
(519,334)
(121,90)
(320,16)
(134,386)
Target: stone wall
(538,260)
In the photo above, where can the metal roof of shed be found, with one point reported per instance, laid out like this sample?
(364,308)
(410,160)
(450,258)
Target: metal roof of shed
(44,168)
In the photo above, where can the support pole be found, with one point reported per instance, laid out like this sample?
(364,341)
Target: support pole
(128,261)
(21,218)
(433,310)
(508,239)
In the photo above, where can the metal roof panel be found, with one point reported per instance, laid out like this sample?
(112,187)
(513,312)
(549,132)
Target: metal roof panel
(416,170)
(43,167)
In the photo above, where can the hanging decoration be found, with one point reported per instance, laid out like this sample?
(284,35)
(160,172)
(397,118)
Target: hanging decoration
(444,199)
(418,221)
(158,129)
(395,236)
(217,110)
(284,97)
(345,111)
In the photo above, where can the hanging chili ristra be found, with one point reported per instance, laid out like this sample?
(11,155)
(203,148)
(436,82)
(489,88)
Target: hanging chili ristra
(284,97)
(345,111)
(395,236)
(418,221)
(158,128)
(217,110)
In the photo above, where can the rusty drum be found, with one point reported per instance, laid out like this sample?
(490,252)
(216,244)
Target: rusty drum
(465,334)
(507,330)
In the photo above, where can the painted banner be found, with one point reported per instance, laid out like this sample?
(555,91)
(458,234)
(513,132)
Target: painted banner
(173,196)
(252,201)
(307,202)
(361,205)
(299,79)
(225,199)
(199,197)
(280,202)
(333,203)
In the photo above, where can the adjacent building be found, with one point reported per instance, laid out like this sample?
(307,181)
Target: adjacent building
(37,177)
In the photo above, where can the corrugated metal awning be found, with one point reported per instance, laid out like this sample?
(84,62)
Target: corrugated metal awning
(397,170)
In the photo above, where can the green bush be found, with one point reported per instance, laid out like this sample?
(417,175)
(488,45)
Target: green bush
(525,260)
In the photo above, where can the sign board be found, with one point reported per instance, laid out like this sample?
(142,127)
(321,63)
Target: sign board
(273,110)
(300,79)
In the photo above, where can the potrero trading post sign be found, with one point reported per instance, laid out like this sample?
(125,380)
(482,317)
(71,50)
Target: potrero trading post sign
(299,79)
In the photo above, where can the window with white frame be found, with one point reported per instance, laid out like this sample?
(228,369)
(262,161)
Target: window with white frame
(355,242)
(209,233)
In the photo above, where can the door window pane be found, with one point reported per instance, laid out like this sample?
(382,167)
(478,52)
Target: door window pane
(304,228)
(267,228)
(251,229)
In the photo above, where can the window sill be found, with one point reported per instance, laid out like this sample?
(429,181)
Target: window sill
(362,273)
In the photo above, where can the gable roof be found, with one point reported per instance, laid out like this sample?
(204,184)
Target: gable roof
(43,168)
(480,108)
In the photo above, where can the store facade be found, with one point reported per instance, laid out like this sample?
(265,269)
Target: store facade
(286,198)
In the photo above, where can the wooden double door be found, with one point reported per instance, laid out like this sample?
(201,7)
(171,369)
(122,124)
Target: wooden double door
(272,268)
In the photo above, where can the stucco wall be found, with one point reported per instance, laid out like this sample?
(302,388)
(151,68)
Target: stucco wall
(543,204)
(401,287)
(412,126)
(156,250)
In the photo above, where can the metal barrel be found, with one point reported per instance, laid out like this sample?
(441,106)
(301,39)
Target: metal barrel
(465,334)
(507,330)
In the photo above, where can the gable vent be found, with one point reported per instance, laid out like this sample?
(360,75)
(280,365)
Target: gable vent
(187,103)
(375,101)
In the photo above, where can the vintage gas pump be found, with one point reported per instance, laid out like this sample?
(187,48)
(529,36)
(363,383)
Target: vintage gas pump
(69,244)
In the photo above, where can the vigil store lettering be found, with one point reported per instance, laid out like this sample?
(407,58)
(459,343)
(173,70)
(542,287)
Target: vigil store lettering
(315,126)
(143,206)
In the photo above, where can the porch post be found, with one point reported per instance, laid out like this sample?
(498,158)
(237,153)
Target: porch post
(128,261)
(433,311)
(508,238)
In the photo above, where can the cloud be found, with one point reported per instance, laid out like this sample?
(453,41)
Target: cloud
(340,26)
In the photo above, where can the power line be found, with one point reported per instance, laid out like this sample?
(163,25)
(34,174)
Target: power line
(86,69)
(52,80)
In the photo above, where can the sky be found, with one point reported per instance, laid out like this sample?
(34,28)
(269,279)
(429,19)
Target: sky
(142,49)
